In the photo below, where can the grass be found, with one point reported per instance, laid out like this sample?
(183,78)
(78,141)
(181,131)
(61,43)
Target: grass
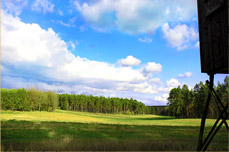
(86,117)
(67,130)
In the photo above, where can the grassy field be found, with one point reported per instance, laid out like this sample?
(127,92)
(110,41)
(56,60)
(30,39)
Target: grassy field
(67,130)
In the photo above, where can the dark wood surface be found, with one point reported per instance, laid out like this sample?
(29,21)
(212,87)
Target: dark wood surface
(213,31)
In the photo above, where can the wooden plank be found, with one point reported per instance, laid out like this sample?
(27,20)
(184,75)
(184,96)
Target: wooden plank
(213,32)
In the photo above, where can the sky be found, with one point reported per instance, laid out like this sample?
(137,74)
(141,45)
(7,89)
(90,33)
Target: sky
(137,49)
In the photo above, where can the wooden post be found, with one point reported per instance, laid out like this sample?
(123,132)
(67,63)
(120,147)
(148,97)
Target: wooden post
(204,115)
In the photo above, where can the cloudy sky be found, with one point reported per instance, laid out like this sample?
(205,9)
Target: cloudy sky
(116,48)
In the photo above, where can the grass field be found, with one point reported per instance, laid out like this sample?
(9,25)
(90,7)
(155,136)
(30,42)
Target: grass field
(67,130)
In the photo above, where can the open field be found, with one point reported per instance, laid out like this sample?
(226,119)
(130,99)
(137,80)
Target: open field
(86,117)
(67,130)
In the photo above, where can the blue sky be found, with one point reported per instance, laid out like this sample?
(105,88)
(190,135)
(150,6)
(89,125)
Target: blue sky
(126,48)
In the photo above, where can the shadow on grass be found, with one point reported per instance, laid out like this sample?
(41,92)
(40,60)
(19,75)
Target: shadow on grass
(63,136)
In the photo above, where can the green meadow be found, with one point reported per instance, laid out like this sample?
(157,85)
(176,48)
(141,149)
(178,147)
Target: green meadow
(68,130)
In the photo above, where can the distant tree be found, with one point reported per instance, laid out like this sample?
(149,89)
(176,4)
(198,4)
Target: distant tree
(33,98)
(28,100)
(190,103)
(22,101)
(52,101)
(173,101)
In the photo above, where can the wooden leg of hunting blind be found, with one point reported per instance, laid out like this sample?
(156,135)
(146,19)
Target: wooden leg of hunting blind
(202,146)
(211,134)
(204,115)
(217,99)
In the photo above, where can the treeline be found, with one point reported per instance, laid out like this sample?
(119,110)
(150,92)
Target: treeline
(182,102)
(100,104)
(37,100)
(28,100)
(185,103)
(157,110)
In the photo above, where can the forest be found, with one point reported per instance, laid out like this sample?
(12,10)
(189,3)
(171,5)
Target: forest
(182,102)
(185,103)
(38,100)
(28,100)
(100,104)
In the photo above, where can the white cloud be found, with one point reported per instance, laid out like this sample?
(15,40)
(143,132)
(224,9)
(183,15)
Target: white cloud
(129,61)
(14,6)
(101,71)
(180,36)
(64,24)
(69,24)
(190,87)
(45,62)
(145,40)
(112,95)
(172,83)
(197,45)
(43,5)
(15,82)
(162,98)
(144,87)
(185,75)
(164,89)
(155,81)
(147,15)
(29,44)
(150,68)
(72,45)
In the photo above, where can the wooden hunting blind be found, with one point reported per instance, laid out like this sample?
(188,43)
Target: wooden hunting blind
(213,32)
(213,16)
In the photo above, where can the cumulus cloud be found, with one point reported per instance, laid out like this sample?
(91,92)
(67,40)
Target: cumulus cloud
(138,87)
(150,68)
(172,83)
(164,89)
(180,36)
(153,67)
(129,61)
(29,43)
(42,55)
(185,75)
(32,56)
(145,40)
(162,98)
(43,5)
(18,82)
(155,81)
(147,15)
